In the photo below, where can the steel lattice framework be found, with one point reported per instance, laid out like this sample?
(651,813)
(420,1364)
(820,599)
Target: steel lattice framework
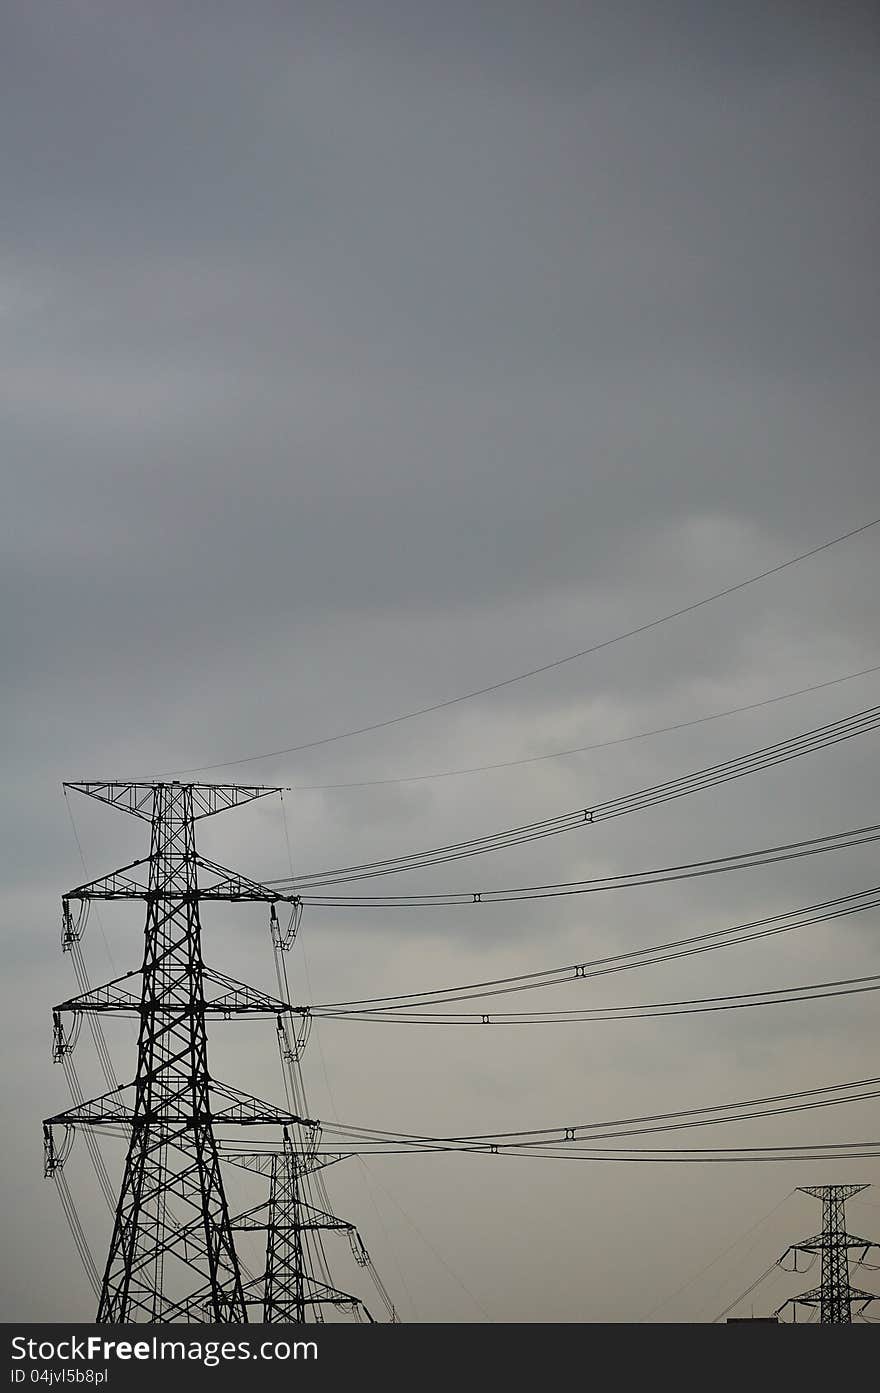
(172,1254)
(290,1293)
(834,1296)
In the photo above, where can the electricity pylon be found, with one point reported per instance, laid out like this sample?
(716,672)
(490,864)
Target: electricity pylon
(288,1291)
(834,1296)
(172,1223)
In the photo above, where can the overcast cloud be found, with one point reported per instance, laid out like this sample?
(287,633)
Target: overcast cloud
(355,356)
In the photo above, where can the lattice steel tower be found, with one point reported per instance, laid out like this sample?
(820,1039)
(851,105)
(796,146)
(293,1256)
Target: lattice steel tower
(172,1253)
(289,1291)
(834,1296)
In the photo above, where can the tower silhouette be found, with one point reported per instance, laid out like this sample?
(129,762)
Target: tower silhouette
(834,1296)
(172,1254)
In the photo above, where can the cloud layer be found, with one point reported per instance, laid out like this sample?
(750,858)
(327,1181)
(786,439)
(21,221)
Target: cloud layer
(356,356)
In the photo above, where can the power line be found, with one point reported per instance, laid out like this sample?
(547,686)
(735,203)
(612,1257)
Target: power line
(842,1151)
(748,860)
(534,672)
(670,1156)
(75,1225)
(586,1134)
(672,1121)
(718,1114)
(401,1007)
(748,1291)
(596,745)
(818,1151)
(703,1270)
(818,913)
(597,1015)
(711,776)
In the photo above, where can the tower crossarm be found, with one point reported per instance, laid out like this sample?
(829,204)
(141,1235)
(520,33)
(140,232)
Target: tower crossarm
(841,1192)
(105,1110)
(122,884)
(248,1111)
(815,1297)
(196,1306)
(115,995)
(261,1162)
(839,1240)
(237,997)
(232,998)
(231,885)
(235,1107)
(127,883)
(137,798)
(319,1222)
(309,1218)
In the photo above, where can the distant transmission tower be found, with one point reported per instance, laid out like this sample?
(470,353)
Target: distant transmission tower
(290,1292)
(172,1253)
(834,1296)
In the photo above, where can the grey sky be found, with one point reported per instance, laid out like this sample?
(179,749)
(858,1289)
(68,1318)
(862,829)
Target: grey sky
(353,356)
